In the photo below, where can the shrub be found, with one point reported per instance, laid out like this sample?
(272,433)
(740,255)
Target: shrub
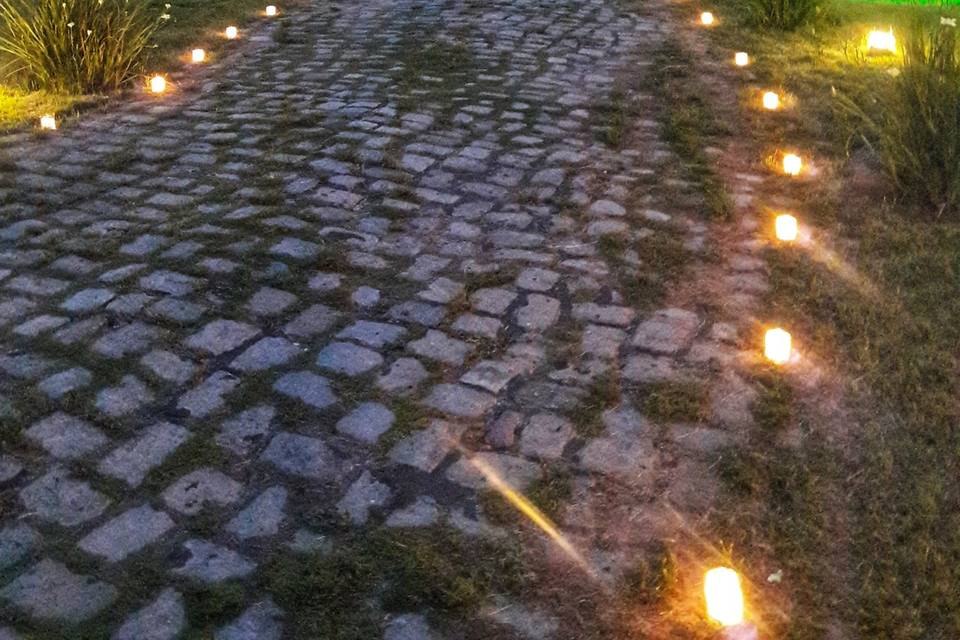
(75,46)
(785,15)
(912,122)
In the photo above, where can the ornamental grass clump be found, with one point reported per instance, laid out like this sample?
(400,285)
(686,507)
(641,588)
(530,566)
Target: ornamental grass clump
(784,15)
(75,46)
(912,121)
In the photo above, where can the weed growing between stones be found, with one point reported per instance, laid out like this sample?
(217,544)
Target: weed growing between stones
(342,595)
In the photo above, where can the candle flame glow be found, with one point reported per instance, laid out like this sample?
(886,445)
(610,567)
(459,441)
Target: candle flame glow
(771,100)
(882,41)
(198,55)
(786,227)
(792,164)
(706,18)
(777,346)
(158,84)
(741,59)
(271,10)
(231,33)
(721,587)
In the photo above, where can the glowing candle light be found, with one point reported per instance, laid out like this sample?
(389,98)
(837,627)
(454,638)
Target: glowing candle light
(777,346)
(721,587)
(271,10)
(158,84)
(786,227)
(792,164)
(741,59)
(881,42)
(231,33)
(198,55)
(771,101)
(48,123)
(706,18)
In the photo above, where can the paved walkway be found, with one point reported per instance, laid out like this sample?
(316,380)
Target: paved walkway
(295,299)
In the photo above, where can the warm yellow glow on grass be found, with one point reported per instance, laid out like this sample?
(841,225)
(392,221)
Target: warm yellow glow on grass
(198,55)
(271,10)
(741,59)
(792,164)
(231,33)
(786,227)
(158,84)
(706,18)
(881,42)
(771,100)
(48,123)
(721,586)
(777,346)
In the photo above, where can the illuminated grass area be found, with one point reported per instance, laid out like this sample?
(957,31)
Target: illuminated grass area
(15,105)
(889,498)
(193,23)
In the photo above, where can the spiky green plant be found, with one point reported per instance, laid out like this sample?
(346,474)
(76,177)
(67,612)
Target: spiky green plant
(785,15)
(912,123)
(75,46)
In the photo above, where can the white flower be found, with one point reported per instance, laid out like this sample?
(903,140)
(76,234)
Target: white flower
(776,577)
(70,25)
(950,22)
(893,71)
(165,16)
(89,31)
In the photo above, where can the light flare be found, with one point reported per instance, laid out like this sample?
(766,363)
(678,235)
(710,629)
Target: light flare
(530,511)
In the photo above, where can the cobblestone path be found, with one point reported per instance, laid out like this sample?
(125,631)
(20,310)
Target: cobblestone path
(312,294)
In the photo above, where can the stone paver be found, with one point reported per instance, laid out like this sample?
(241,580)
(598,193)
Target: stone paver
(162,619)
(127,533)
(65,436)
(50,591)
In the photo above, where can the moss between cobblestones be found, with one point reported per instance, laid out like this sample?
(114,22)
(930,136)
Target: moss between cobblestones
(211,606)
(201,450)
(341,595)
(603,394)
(674,401)
(408,417)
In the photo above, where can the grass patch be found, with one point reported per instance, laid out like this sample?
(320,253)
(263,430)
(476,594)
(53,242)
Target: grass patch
(773,407)
(895,574)
(612,118)
(688,124)
(17,105)
(603,394)
(674,401)
(341,595)
(651,578)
